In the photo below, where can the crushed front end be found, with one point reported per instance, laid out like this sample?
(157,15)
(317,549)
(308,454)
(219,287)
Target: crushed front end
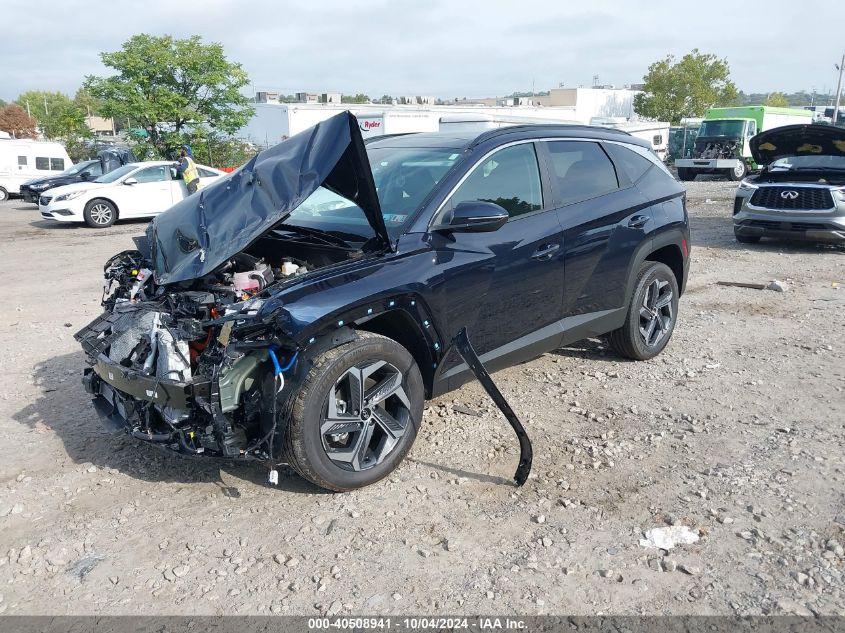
(189,366)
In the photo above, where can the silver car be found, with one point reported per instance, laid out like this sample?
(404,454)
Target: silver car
(800,193)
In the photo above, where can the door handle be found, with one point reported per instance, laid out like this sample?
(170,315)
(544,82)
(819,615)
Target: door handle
(545,252)
(638,221)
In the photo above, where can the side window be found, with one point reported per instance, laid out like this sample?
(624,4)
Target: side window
(22,161)
(632,164)
(582,169)
(205,173)
(95,169)
(510,178)
(42,162)
(152,174)
(57,164)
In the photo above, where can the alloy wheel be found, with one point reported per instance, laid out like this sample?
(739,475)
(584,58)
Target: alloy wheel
(101,213)
(366,414)
(656,312)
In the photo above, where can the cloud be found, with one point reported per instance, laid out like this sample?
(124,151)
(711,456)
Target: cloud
(444,48)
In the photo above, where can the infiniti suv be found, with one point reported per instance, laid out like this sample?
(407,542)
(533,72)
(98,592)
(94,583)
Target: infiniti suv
(303,308)
(800,193)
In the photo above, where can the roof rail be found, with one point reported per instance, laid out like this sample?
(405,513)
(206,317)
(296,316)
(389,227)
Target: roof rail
(540,127)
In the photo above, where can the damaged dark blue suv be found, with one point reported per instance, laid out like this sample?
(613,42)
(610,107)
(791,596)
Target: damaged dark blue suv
(302,309)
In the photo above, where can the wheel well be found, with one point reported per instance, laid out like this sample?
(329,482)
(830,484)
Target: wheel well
(104,199)
(672,257)
(401,327)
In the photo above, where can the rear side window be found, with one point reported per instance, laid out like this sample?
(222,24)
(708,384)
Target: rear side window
(57,164)
(42,162)
(509,178)
(632,164)
(22,161)
(205,173)
(582,170)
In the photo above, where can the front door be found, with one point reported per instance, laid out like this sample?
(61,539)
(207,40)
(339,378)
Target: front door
(150,195)
(510,281)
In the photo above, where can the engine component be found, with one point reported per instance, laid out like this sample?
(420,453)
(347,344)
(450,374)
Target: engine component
(239,378)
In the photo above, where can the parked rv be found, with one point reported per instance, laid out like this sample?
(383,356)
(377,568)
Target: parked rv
(721,146)
(24,159)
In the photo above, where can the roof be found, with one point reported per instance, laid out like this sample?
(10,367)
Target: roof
(462,140)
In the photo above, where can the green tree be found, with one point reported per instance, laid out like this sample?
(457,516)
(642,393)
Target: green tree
(359,98)
(386,99)
(172,87)
(777,100)
(686,88)
(58,116)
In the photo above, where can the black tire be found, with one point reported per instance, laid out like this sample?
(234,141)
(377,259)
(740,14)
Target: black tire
(629,340)
(739,172)
(99,213)
(746,239)
(306,449)
(686,174)
(4,195)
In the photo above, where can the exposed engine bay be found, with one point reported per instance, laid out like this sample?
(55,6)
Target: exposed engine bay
(201,370)
(711,148)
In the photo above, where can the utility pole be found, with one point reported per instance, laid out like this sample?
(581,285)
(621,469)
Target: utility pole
(840,68)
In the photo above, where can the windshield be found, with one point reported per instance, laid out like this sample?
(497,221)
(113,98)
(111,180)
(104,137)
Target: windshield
(404,177)
(809,162)
(724,129)
(78,168)
(120,172)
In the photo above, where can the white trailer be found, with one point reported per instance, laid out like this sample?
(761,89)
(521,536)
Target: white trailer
(656,133)
(24,159)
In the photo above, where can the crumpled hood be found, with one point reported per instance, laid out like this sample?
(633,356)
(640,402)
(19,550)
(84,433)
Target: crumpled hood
(797,140)
(196,235)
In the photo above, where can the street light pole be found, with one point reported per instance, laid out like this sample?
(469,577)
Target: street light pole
(838,91)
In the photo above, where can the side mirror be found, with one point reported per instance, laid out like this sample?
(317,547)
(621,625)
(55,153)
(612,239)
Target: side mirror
(85,175)
(476,216)
(130,181)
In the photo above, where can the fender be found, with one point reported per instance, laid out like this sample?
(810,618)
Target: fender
(667,237)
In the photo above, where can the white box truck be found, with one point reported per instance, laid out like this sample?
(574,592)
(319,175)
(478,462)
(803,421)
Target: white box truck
(24,159)
(721,146)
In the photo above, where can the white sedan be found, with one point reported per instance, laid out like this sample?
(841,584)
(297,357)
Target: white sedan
(136,190)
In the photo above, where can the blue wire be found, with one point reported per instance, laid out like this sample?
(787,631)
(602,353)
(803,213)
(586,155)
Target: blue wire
(277,368)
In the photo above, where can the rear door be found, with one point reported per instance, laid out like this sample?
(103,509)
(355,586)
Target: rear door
(512,281)
(151,195)
(603,224)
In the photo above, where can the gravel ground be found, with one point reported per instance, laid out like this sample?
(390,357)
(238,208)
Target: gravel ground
(735,431)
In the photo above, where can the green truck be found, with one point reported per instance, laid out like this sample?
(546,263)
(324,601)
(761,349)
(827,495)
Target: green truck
(721,146)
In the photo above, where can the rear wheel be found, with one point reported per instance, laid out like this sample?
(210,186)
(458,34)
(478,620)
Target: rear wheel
(356,414)
(651,314)
(99,214)
(4,195)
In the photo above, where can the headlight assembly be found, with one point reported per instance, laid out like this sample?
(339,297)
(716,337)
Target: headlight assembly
(69,196)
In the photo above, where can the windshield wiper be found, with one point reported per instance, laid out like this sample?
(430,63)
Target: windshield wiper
(323,236)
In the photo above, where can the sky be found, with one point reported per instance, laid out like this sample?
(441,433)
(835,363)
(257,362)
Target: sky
(450,48)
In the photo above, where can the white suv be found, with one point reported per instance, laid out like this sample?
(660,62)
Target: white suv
(136,190)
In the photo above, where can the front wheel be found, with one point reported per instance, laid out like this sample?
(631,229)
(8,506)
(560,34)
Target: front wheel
(685,174)
(99,214)
(356,414)
(4,195)
(738,172)
(651,316)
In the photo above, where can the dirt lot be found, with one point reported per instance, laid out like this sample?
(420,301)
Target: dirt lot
(737,431)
